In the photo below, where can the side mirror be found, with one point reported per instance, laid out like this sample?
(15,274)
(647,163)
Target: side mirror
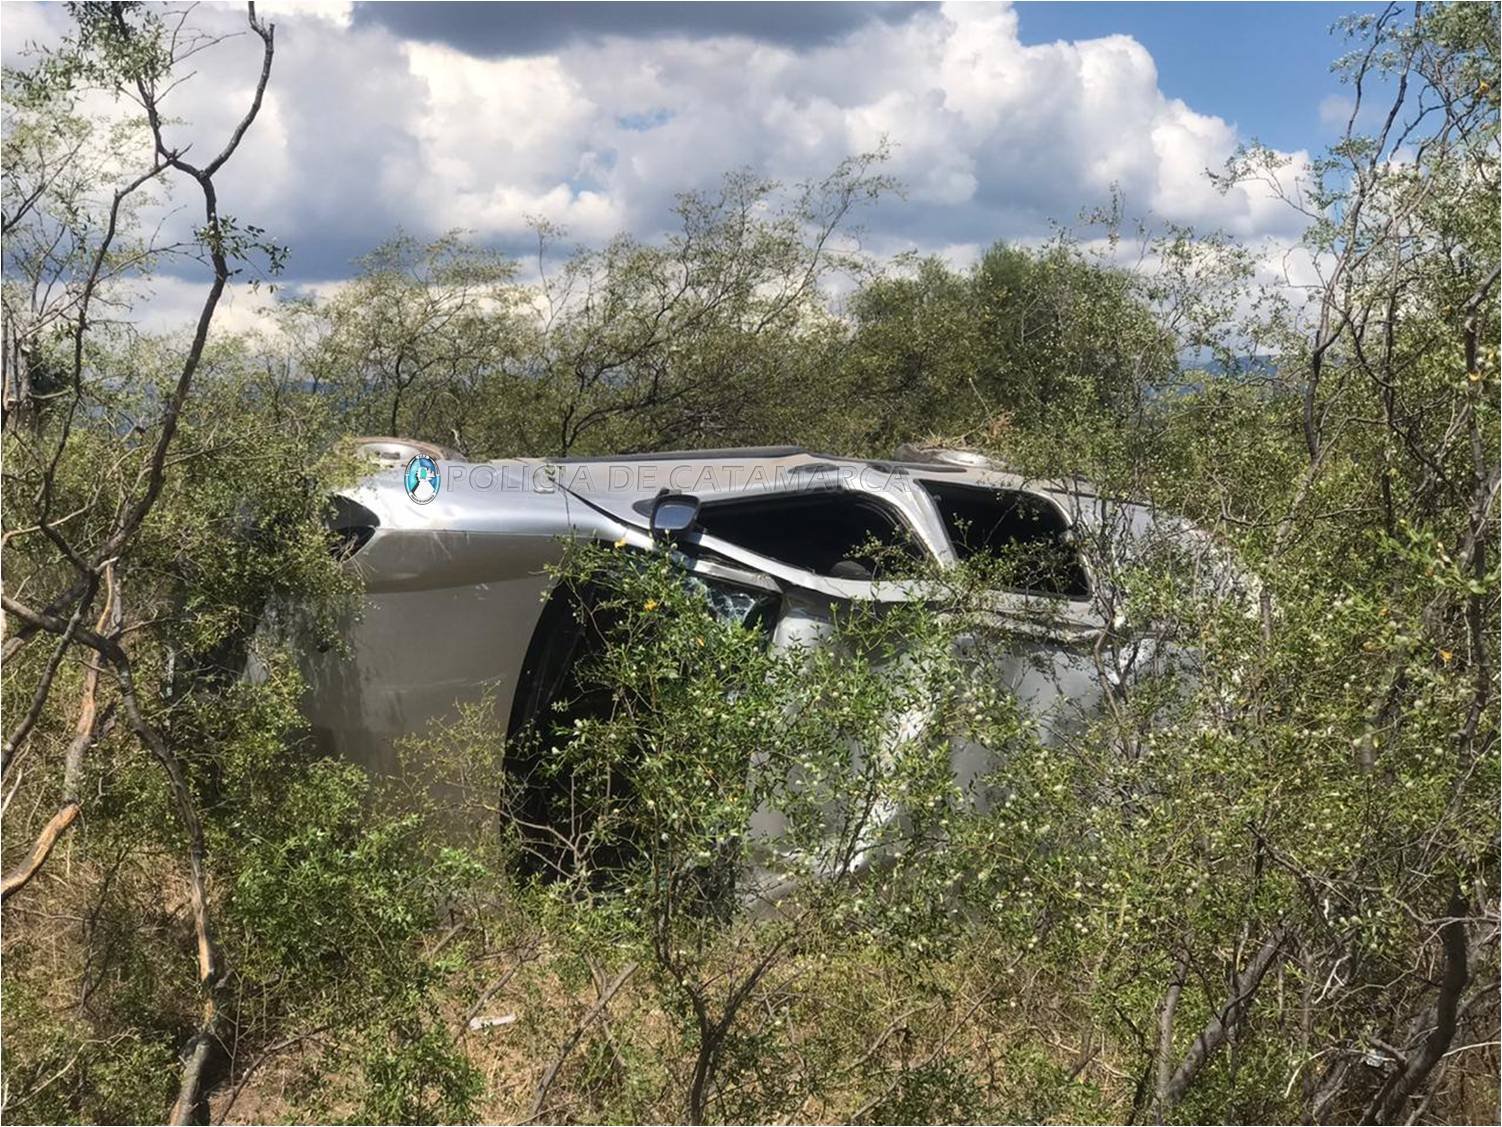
(673,514)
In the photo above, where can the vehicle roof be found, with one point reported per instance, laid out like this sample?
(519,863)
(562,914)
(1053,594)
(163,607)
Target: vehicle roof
(524,493)
(759,469)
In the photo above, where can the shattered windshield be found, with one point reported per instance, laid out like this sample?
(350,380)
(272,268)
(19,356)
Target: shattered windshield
(736,605)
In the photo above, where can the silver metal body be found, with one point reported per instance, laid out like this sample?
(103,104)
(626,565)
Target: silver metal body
(454,587)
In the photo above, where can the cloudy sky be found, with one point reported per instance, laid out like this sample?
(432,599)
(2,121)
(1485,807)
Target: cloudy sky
(430,116)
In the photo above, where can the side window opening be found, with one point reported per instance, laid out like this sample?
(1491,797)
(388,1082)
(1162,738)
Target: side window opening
(835,533)
(1018,528)
(350,526)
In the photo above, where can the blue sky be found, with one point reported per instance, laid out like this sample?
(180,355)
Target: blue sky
(1002,119)
(1264,67)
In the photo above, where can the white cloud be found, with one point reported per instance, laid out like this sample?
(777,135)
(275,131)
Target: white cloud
(336,12)
(167,304)
(1335,110)
(507,139)
(363,132)
(25,25)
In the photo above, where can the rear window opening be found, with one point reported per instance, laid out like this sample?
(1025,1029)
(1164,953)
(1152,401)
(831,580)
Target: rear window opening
(1024,531)
(838,534)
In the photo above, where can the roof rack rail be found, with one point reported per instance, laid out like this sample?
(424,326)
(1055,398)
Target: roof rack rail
(950,456)
(692,455)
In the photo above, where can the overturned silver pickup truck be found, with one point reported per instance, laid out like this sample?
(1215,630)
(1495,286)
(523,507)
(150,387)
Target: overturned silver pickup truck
(454,558)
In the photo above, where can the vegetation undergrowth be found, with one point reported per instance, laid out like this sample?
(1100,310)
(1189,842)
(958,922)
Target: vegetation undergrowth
(1256,879)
